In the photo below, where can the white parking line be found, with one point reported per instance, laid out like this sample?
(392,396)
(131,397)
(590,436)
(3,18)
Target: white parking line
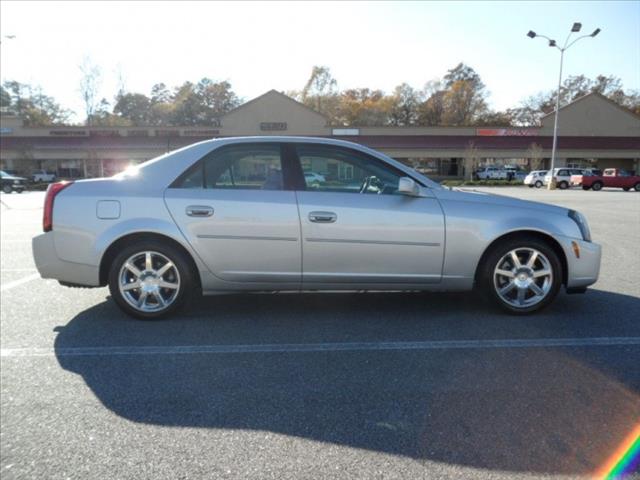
(321,347)
(16,283)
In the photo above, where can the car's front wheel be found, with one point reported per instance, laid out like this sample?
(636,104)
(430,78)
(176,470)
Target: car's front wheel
(538,184)
(151,279)
(7,189)
(521,275)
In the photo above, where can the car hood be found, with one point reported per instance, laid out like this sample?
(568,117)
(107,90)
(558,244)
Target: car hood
(476,196)
(11,177)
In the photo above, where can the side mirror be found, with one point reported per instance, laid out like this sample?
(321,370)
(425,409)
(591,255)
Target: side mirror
(408,186)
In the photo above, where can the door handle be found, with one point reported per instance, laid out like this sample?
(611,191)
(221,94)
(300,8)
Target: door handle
(323,217)
(199,211)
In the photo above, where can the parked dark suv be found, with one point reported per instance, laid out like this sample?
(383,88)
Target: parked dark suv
(11,183)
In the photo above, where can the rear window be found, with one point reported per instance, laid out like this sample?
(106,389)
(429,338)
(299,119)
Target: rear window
(237,167)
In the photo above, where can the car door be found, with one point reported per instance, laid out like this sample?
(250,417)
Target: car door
(356,227)
(236,210)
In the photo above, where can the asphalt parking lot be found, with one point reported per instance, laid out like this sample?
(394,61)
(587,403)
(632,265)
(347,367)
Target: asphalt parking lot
(393,385)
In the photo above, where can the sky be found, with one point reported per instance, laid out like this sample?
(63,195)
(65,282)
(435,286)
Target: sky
(264,45)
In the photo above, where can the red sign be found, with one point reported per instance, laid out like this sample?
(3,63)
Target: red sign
(506,132)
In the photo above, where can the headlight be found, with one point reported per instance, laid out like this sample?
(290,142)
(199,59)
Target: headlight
(581,221)
(16,182)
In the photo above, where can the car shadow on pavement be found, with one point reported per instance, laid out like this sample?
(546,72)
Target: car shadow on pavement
(537,410)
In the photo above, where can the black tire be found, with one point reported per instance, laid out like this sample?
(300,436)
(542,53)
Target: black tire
(531,185)
(20,190)
(538,184)
(7,189)
(597,186)
(563,185)
(187,277)
(487,287)
(585,187)
(636,187)
(626,189)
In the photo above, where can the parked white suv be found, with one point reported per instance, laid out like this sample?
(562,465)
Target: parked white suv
(535,178)
(43,176)
(563,176)
(493,173)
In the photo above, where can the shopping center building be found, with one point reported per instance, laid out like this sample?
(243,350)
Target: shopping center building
(593,132)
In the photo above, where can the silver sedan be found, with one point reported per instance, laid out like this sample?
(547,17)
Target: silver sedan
(239,214)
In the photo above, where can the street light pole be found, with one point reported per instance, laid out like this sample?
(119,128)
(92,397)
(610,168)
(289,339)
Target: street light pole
(552,43)
(552,181)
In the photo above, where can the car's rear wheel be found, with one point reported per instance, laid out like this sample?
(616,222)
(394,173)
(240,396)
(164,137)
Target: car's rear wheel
(521,275)
(151,279)
(538,184)
(597,186)
(563,185)
(626,189)
(7,189)
(636,187)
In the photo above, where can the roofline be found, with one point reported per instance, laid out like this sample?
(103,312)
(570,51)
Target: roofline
(300,104)
(597,94)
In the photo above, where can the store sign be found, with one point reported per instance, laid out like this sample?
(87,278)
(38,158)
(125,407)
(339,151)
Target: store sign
(138,133)
(273,126)
(346,131)
(69,133)
(167,133)
(104,133)
(506,132)
(200,133)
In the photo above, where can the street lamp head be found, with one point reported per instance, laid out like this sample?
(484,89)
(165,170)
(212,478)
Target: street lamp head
(595,32)
(531,34)
(552,43)
(576,27)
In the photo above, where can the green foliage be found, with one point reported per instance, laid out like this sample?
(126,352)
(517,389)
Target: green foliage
(5,97)
(30,103)
(189,104)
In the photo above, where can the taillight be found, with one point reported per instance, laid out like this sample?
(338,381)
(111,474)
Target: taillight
(52,190)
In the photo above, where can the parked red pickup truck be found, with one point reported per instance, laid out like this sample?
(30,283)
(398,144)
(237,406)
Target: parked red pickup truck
(611,177)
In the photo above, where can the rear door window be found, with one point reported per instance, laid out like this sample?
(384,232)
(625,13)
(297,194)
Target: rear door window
(237,167)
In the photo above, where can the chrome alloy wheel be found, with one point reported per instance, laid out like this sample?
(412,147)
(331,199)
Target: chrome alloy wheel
(149,281)
(523,277)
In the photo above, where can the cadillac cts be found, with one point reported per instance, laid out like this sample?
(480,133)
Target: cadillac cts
(239,214)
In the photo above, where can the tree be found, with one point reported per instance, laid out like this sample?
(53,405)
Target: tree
(465,97)
(492,118)
(463,103)
(5,98)
(463,73)
(321,92)
(535,156)
(404,105)
(431,111)
(90,83)
(362,106)
(35,108)
(102,117)
(471,160)
(216,99)
(134,107)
